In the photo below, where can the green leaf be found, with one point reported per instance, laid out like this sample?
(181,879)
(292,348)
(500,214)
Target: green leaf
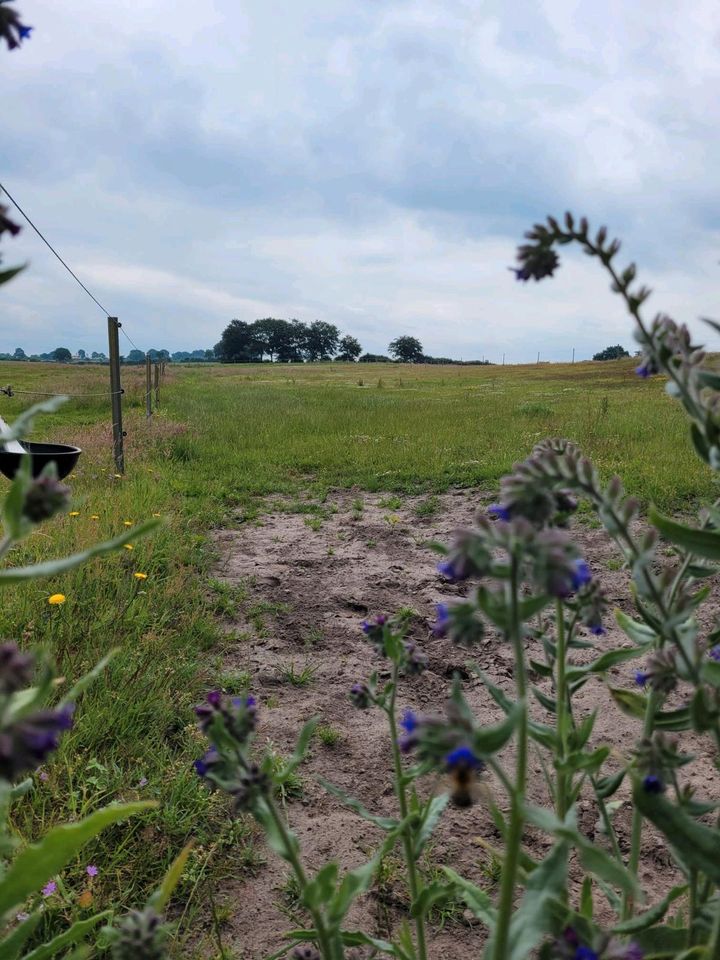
(679,719)
(661,942)
(159,900)
(549,703)
(609,785)
(51,568)
(488,740)
(586,898)
(533,917)
(299,753)
(700,543)
(385,823)
(639,633)
(320,889)
(433,811)
(13,943)
(356,938)
(695,845)
(23,424)
(703,715)
(631,703)
(39,862)
(357,881)
(478,902)
(6,275)
(284,844)
(16,525)
(710,672)
(596,861)
(72,935)
(539,732)
(652,916)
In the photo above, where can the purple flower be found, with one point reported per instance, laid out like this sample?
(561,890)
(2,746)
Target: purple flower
(463,757)
(641,678)
(653,784)
(22,917)
(49,889)
(440,627)
(644,370)
(206,762)
(24,32)
(714,652)
(214,697)
(143,782)
(24,745)
(598,629)
(91,870)
(366,627)
(581,575)
(360,696)
(498,511)
(16,668)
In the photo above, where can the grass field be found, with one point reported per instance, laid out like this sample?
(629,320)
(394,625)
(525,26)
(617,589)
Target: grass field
(223,439)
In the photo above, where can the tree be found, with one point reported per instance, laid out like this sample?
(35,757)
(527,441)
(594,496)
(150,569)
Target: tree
(350,349)
(239,344)
(135,356)
(82,355)
(209,354)
(612,353)
(321,340)
(406,350)
(374,358)
(61,355)
(19,354)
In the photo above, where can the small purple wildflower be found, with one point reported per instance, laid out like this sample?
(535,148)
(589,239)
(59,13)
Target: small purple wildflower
(366,627)
(207,761)
(43,776)
(643,370)
(25,32)
(598,629)
(91,870)
(714,652)
(440,627)
(653,784)
(360,696)
(214,697)
(581,575)
(641,678)
(49,889)
(500,512)
(22,917)
(142,782)
(463,757)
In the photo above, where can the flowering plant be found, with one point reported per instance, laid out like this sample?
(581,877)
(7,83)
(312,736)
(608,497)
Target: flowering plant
(526,578)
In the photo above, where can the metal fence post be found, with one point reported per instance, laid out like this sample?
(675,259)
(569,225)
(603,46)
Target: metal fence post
(148,387)
(116,394)
(157,384)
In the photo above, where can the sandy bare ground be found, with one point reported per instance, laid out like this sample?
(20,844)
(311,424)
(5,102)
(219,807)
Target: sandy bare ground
(324,581)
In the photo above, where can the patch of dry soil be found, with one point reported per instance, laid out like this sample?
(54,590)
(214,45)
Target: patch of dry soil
(326,580)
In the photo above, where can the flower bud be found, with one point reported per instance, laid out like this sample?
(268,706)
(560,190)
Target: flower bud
(45,497)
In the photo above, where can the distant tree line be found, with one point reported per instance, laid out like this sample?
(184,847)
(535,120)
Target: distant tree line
(64,355)
(615,352)
(291,341)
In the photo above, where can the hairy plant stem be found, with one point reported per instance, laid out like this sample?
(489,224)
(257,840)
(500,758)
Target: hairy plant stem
(637,817)
(517,798)
(328,950)
(714,951)
(414,882)
(561,784)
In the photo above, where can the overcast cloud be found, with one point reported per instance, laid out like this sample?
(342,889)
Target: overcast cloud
(370,163)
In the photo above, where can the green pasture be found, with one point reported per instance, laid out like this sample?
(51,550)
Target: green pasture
(222,439)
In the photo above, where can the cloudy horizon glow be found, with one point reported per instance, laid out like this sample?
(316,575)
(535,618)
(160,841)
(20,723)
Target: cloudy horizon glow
(373,165)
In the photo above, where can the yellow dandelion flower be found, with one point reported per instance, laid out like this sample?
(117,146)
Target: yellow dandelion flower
(56,599)
(128,546)
(95,516)
(127,523)
(74,513)
(140,576)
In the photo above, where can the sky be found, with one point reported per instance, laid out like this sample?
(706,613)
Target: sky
(370,163)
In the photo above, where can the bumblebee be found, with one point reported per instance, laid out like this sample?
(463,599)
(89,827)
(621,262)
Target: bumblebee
(462,766)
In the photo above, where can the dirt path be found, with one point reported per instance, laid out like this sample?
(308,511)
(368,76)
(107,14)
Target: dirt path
(311,580)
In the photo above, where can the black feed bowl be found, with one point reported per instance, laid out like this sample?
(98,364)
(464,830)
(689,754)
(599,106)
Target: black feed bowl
(63,456)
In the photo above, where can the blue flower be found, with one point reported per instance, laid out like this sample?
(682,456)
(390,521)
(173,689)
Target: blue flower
(447,569)
(714,652)
(442,623)
(24,32)
(644,370)
(463,757)
(409,721)
(498,511)
(208,760)
(581,575)
(366,627)
(653,784)
(585,953)
(598,629)
(641,678)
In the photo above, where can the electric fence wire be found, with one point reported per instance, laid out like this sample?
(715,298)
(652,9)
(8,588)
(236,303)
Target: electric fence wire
(3,189)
